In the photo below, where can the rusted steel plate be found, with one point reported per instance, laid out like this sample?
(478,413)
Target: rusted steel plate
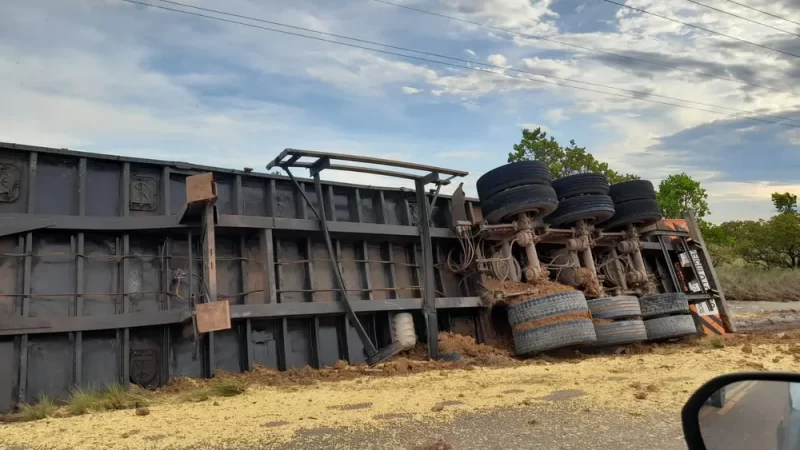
(213,316)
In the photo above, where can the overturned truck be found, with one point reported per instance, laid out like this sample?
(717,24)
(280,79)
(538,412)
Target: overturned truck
(119,270)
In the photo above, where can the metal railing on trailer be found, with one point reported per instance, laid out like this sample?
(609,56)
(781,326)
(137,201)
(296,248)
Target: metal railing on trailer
(290,158)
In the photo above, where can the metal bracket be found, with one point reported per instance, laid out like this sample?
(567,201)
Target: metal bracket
(459,207)
(319,166)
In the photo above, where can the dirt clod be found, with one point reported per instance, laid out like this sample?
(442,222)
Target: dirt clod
(747,348)
(532,422)
(652,388)
(439,445)
(340,365)
(512,292)
(450,342)
(142,411)
(552,320)
(641,395)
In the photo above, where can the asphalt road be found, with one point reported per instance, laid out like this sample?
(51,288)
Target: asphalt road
(760,307)
(750,419)
(552,427)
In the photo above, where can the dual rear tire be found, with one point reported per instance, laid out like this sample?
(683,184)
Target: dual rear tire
(515,188)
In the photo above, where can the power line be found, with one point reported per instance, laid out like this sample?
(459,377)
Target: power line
(582,47)
(742,17)
(702,29)
(477,69)
(494,66)
(763,12)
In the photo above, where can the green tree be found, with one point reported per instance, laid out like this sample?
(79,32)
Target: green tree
(562,161)
(679,193)
(773,243)
(784,203)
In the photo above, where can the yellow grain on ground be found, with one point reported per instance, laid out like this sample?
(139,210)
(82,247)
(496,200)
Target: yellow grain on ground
(266,415)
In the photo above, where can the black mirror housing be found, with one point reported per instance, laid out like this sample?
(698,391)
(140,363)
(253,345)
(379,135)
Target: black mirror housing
(713,393)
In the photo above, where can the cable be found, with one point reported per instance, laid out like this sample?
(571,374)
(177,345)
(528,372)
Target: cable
(763,12)
(742,17)
(701,28)
(478,69)
(590,49)
(405,49)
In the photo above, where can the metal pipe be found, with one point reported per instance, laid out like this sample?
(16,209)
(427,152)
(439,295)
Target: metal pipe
(619,271)
(428,280)
(362,159)
(505,251)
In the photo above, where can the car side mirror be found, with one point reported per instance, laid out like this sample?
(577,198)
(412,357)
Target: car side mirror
(744,411)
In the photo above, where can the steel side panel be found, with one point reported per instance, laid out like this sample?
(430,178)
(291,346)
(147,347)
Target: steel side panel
(299,321)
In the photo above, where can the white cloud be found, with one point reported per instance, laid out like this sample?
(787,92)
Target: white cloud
(555,115)
(497,60)
(192,87)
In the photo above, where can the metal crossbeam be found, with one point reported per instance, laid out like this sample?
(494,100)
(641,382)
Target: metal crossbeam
(296,154)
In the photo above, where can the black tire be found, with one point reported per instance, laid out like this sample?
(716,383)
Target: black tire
(634,212)
(564,334)
(591,208)
(546,306)
(581,184)
(510,176)
(661,304)
(619,307)
(670,327)
(620,333)
(538,199)
(632,190)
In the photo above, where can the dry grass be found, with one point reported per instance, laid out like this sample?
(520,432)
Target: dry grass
(221,387)
(716,342)
(111,398)
(753,284)
(228,387)
(43,409)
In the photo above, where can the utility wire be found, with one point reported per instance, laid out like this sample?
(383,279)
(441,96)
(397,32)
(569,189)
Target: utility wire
(582,47)
(742,17)
(494,66)
(478,69)
(762,12)
(701,28)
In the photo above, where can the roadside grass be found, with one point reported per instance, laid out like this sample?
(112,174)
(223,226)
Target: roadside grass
(116,397)
(755,284)
(228,387)
(112,398)
(42,409)
(225,387)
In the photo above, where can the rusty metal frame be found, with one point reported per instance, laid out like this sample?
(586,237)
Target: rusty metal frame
(289,158)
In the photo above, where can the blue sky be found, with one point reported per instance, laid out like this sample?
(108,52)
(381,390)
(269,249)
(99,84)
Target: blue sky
(111,77)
